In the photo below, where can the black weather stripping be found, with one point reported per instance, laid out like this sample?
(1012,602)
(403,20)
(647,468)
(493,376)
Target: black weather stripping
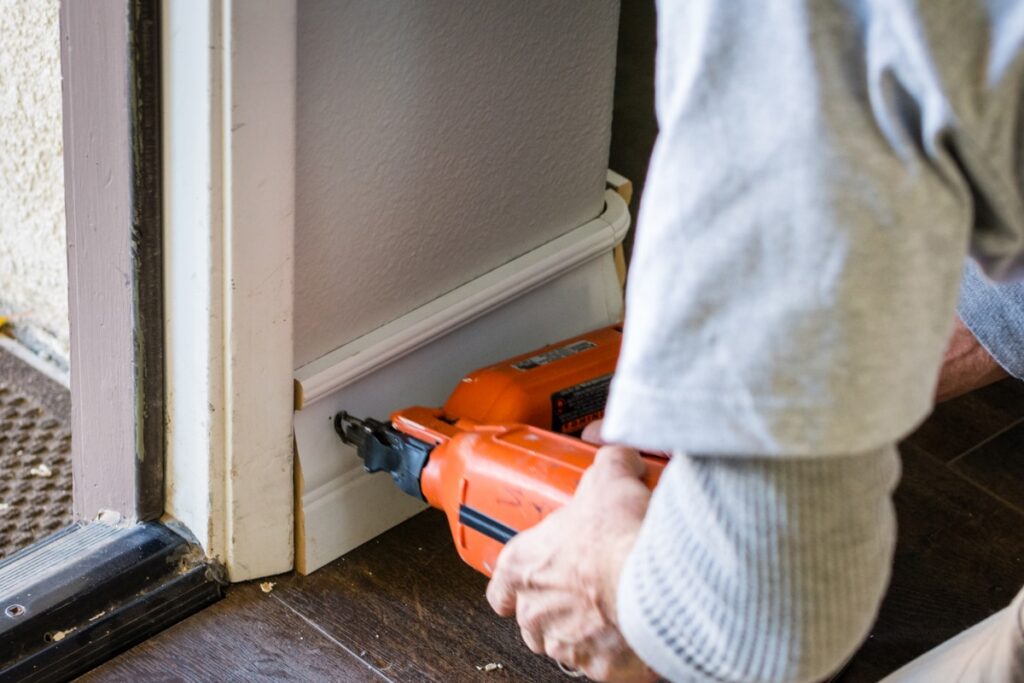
(488,526)
(91,591)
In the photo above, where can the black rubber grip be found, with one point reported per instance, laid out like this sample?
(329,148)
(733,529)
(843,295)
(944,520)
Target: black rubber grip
(488,526)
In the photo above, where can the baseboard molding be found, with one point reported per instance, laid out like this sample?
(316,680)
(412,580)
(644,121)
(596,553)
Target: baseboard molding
(559,290)
(465,304)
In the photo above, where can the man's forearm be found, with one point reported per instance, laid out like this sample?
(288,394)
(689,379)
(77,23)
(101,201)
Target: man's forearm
(760,569)
(968,365)
(988,343)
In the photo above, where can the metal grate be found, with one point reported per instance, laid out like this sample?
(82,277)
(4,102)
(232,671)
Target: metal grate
(35,456)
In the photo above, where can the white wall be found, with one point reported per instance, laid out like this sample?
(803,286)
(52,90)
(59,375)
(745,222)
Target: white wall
(436,141)
(33,262)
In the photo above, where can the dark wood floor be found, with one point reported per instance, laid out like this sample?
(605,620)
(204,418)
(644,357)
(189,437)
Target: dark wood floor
(404,608)
(960,506)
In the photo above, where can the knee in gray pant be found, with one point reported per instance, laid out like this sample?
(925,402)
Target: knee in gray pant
(991,651)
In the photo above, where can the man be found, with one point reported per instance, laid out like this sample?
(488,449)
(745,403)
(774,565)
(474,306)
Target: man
(988,339)
(821,170)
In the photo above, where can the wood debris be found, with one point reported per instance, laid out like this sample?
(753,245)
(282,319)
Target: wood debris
(58,636)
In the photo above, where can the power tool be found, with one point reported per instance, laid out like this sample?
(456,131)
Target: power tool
(502,453)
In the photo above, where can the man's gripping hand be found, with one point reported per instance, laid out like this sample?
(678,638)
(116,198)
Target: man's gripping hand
(560,578)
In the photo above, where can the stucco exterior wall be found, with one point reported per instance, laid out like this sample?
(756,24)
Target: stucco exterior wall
(33,262)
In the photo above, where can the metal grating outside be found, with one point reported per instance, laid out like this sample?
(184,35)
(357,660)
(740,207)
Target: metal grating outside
(35,455)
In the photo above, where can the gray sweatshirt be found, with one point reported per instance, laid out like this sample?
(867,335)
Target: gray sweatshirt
(822,169)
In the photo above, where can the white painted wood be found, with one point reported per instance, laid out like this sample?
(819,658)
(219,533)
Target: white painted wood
(193,262)
(462,305)
(561,289)
(229,126)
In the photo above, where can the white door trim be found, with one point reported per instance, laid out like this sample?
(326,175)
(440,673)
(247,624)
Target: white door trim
(229,162)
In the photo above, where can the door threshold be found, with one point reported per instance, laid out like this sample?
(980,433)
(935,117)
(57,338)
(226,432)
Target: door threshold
(91,591)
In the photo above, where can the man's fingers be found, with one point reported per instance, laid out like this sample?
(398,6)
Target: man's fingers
(592,433)
(506,580)
(533,641)
(502,597)
(501,593)
(620,460)
(566,654)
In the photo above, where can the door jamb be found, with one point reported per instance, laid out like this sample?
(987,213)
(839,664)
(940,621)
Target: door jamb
(229,168)
(113,197)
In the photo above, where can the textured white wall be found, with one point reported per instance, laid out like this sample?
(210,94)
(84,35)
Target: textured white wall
(437,141)
(33,263)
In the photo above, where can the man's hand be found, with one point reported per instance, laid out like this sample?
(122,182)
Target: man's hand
(967,365)
(560,577)
(592,432)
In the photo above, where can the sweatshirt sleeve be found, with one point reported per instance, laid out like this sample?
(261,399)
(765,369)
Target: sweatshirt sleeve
(750,570)
(994,313)
(821,171)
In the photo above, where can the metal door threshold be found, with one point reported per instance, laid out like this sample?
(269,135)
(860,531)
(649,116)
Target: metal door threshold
(92,591)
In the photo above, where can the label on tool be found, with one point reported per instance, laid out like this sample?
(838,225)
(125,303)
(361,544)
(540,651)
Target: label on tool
(574,408)
(553,355)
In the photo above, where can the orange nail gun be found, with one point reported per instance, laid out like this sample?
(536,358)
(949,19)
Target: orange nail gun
(500,455)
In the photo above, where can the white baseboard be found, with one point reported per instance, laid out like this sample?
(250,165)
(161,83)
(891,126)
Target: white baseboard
(558,290)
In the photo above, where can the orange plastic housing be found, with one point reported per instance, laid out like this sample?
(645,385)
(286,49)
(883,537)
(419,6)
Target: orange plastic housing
(513,475)
(561,387)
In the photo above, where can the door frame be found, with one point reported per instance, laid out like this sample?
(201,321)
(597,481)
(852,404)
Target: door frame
(180,194)
(111,111)
(114,577)
(229,205)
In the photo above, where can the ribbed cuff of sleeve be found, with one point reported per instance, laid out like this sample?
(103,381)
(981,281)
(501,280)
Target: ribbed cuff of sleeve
(759,569)
(994,313)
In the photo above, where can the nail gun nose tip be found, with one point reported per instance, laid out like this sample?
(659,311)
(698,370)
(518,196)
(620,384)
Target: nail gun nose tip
(341,421)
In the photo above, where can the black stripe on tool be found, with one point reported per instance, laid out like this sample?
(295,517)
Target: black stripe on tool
(488,526)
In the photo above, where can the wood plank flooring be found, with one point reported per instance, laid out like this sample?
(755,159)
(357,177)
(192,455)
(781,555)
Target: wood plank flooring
(400,608)
(960,553)
(404,607)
